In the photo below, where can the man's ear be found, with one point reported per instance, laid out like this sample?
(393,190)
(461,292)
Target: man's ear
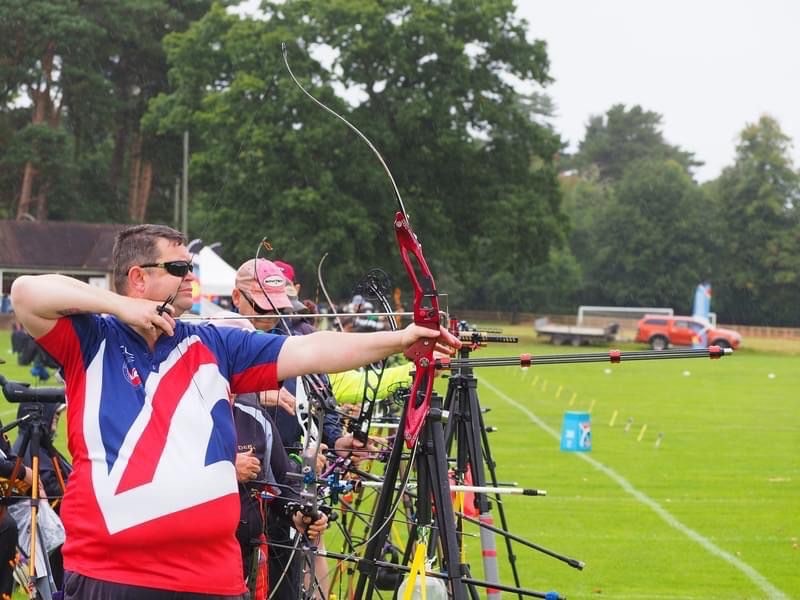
(136,282)
(236,297)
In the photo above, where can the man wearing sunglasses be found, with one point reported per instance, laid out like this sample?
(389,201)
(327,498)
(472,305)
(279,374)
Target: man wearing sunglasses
(152,505)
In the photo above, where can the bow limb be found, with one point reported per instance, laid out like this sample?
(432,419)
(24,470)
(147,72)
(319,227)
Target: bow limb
(426,299)
(331,305)
(426,314)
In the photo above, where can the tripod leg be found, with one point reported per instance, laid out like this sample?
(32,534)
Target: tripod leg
(381,522)
(435,476)
(471,443)
(490,464)
(55,459)
(34,502)
(472,450)
(42,585)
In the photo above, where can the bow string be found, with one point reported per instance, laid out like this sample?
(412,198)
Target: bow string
(426,298)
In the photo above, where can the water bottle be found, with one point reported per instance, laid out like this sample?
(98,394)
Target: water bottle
(435,589)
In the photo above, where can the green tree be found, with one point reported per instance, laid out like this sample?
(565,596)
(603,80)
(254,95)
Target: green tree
(758,227)
(655,244)
(265,161)
(586,200)
(44,42)
(621,136)
(87,69)
(476,170)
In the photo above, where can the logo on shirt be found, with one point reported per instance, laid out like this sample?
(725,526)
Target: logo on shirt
(132,375)
(129,370)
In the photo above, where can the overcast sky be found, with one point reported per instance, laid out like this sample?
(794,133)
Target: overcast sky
(708,67)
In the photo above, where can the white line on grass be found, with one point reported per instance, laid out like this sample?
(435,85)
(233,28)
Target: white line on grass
(754,576)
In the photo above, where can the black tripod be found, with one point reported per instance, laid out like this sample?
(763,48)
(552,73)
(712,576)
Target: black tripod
(430,460)
(433,492)
(466,427)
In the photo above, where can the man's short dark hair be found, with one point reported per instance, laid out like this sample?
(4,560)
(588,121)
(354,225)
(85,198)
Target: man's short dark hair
(137,245)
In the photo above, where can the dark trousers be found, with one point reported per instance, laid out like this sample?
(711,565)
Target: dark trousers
(79,587)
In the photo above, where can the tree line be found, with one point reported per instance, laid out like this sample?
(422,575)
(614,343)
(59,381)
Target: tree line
(96,96)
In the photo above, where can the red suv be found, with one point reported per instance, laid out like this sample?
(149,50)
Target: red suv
(663,331)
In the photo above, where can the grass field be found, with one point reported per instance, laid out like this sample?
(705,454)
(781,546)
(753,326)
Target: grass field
(712,511)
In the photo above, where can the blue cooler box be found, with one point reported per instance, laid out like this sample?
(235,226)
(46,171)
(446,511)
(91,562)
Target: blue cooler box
(576,432)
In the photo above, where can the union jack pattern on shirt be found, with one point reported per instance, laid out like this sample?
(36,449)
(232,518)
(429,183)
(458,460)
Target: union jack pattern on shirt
(153,499)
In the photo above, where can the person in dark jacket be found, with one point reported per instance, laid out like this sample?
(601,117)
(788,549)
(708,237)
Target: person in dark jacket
(264,470)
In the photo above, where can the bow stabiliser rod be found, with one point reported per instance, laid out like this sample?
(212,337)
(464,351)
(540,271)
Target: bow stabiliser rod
(612,356)
(443,316)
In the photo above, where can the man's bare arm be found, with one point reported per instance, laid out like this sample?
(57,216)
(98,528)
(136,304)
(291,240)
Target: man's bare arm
(40,300)
(332,352)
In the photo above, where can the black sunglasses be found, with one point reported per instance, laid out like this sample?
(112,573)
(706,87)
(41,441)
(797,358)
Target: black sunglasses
(256,307)
(178,268)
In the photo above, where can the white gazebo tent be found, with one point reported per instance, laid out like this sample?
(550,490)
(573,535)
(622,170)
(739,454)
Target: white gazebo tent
(217,278)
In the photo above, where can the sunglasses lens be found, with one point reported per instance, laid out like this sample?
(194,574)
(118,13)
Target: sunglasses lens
(179,268)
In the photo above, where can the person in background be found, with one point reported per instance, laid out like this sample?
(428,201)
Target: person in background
(259,294)
(292,287)
(263,470)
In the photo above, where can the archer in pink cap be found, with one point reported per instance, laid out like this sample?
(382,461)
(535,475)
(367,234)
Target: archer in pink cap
(266,281)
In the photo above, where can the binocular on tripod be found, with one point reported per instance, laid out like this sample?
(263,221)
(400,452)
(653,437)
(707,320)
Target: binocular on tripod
(22,392)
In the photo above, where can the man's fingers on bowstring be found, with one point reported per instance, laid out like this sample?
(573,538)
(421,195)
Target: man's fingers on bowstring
(165,325)
(166,312)
(160,319)
(139,313)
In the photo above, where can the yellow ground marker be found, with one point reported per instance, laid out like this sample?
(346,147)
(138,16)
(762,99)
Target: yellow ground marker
(641,433)
(558,391)
(572,400)
(591,406)
(613,418)
(535,381)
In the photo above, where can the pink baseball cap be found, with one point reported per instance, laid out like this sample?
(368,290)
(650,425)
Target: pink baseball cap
(266,275)
(287,269)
